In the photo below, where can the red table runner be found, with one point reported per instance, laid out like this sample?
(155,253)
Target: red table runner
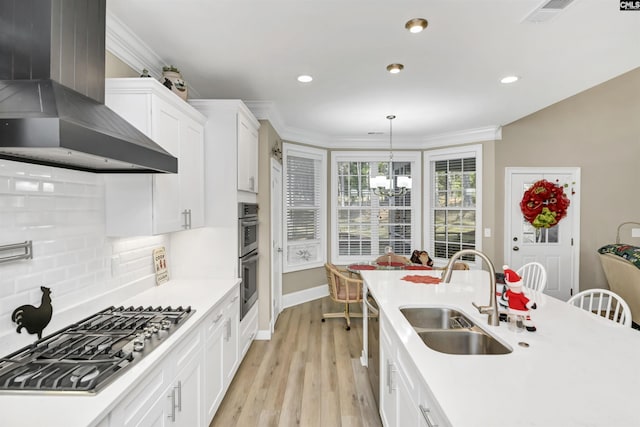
(422,279)
(390,264)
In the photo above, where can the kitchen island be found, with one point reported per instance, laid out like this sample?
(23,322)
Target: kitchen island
(577,370)
(128,399)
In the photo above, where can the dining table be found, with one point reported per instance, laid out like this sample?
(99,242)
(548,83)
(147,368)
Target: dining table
(373,265)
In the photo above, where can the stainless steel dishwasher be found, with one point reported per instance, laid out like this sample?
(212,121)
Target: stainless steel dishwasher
(373,346)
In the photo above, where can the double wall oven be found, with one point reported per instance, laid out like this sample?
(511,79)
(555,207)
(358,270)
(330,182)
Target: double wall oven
(248,255)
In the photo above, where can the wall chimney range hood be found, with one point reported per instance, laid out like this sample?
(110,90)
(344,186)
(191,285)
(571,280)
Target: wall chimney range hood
(52,112)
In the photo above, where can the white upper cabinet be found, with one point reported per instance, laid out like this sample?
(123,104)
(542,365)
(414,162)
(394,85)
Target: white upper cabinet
(247,153)
(149,204)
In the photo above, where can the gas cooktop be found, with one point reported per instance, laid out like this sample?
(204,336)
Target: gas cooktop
(86,356)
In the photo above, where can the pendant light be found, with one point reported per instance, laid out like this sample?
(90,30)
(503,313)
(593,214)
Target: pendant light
(383,186)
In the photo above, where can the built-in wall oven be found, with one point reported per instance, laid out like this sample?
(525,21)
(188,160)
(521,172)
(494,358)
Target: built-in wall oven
(248,255)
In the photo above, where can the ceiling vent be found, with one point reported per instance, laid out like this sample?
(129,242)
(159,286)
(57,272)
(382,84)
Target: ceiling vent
(547,11)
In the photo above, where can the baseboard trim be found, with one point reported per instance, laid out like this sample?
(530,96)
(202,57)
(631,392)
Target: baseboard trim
(263,335)
(305,295)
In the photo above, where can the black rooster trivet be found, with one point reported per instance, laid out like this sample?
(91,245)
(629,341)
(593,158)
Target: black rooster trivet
(34,319)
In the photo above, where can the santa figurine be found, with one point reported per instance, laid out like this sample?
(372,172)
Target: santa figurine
(519,304)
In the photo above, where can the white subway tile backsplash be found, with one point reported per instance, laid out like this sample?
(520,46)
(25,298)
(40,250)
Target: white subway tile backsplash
(7,287)
(63,213)
(25,185)
(5,184)
(29,282)
(36,203)
(11,302)
(8,201)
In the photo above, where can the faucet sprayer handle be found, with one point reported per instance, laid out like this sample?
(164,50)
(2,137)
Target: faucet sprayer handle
(483,309)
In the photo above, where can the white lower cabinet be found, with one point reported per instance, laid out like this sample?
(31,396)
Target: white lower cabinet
(188,385)
(248,330)
(213,376)
(221,351)
(405,400)
(221,358)
(186,396)
(230,359)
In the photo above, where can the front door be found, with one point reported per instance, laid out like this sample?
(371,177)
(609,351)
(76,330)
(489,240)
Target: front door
(557,247)
(276,241)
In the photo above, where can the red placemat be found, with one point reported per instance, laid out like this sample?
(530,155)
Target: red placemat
(390,264)
(422,279)
(362,267)
(417,267)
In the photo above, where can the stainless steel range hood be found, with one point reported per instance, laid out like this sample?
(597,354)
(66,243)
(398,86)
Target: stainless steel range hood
(52,108)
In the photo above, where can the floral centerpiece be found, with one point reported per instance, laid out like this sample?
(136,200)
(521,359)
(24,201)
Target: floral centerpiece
(544,204)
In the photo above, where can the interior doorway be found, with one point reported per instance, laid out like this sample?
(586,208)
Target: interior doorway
(557,247)
(276,241)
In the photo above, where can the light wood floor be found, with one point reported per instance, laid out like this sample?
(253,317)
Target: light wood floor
(309,374)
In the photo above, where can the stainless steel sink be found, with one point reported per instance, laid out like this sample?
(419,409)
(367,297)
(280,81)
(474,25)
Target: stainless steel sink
(436,318)
(463,342)
(450,331)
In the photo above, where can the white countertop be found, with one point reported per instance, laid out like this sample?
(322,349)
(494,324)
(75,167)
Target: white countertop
(53,410)
(579,370)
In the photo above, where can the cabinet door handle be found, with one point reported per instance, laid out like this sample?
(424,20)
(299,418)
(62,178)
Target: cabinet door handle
(426,413)
(390,369)
(185,213)
(172,396)
(228,330)
(179,387)
(217,319)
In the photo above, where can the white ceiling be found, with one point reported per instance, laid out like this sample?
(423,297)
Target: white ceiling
(254,49)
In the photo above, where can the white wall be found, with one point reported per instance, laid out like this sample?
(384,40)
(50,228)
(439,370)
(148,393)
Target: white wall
(62,211)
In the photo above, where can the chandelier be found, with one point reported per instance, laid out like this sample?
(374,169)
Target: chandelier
(383,186)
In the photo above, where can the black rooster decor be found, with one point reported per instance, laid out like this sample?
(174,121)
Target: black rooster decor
(34,319)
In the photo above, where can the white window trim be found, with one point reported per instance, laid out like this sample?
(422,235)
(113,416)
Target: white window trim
(447,154)
(313,153)
(373,156)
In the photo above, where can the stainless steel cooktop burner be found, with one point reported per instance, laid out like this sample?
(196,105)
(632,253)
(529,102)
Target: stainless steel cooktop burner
(85,356)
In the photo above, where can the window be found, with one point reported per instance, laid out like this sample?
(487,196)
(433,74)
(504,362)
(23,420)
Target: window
(305,207)
(363,224)
(453,201)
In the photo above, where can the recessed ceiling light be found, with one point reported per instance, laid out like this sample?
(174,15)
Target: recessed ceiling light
(394,68)
(509,79)
(416,25)
(304,78)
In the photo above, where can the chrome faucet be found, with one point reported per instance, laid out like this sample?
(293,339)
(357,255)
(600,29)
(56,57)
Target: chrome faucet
(492,308)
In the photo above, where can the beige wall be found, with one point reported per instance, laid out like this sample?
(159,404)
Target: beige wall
(599,131)
(114,67)
(267,138)
(303,279)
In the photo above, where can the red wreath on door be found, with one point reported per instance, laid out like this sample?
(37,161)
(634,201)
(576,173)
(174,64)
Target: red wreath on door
(544,204)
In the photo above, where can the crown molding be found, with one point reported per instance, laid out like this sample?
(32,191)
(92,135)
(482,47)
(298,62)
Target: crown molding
(133,51)
(488,133)
(266,110)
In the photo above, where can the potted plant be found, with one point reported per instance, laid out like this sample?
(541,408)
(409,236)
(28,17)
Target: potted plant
(172,79)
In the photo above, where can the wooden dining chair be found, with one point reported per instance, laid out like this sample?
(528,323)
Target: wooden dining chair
(534,276)
(605,303)
(344,288)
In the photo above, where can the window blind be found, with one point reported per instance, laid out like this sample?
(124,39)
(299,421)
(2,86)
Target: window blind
(304,201)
